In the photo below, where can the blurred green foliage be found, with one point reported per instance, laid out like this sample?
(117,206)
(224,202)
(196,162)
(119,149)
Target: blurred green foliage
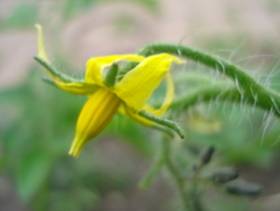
(151,4)
(23,15)
(73,7)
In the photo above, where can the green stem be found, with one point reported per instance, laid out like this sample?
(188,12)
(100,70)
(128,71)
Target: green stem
(189,195)
(208,93)
(112,74)
(251,89)
(154,170)
(175,174)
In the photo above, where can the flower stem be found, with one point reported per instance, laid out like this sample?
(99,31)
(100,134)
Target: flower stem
(175,174)
(249,88)
(212,92)
(154,170)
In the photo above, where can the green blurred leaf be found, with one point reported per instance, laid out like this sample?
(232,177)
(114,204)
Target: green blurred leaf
(32,173)
(72,7)
(24,15)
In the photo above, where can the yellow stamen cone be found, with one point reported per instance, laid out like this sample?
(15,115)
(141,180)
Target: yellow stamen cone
(95,115)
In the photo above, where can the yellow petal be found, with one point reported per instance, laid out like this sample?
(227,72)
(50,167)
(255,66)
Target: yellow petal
(169,96)
(96,65)
(137,86)
(157,112)
(95,115)
(78,88)
(40,43)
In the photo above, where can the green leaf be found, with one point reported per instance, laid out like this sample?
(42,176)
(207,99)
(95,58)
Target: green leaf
(32,174)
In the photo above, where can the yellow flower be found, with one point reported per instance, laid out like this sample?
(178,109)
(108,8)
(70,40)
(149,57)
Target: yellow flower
(110,89)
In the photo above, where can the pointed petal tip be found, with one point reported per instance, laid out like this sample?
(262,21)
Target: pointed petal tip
(76,147)
(74,152)
(41,52)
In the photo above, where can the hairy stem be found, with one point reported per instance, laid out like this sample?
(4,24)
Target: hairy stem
(176,175)
(249,88)
(190,195)
(215,92)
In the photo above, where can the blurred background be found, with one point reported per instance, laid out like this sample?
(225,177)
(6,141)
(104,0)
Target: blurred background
(37,121)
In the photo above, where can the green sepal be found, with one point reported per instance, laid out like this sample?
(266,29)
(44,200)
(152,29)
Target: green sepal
(53,71)
(125,67)
(111,76)
(166,123)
